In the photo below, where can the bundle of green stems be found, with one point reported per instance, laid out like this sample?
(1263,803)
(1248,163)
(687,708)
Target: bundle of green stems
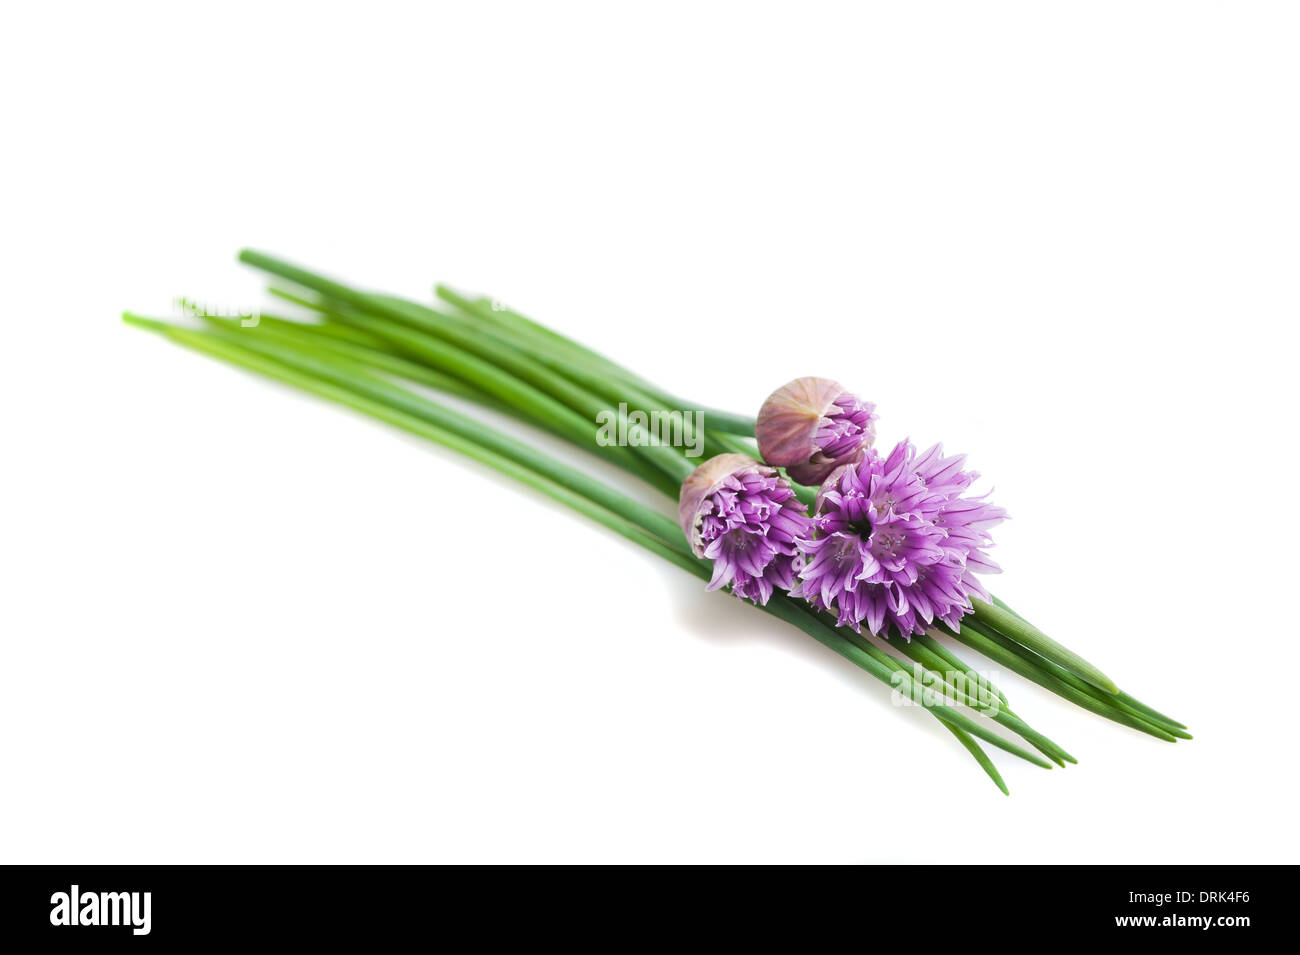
(381,355)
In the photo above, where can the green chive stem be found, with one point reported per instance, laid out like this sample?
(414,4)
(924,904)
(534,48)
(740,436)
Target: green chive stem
(1030,636)
(976,640)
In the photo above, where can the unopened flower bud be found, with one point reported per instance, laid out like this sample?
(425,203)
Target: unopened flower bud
(812,426)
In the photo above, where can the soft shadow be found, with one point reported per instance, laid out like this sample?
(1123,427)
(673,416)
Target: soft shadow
(721,618)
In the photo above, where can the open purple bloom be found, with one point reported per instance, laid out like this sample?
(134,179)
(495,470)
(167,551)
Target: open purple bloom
(895,542)
(811,426)
(745,518)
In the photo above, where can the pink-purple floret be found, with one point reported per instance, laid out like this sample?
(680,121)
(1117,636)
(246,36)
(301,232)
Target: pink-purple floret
(896,544)
(847,427)
(749,525)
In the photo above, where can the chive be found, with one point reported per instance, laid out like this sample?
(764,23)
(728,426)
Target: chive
(420,317)
(736,445)
(597,383)
(981,757)
(895,666)
(1150,713)
(480,307)
(501,385)
(315,338)
(318,306)
(1135,705)
(476,354)
(337,373)
(658,465)
(574,383)
(806,619)
(1030,636)
(950,658)
(914,651)
(539,336)
(971,635)
(1065,676)
(1002,716)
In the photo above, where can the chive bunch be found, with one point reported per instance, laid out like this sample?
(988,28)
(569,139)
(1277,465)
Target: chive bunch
(381,355)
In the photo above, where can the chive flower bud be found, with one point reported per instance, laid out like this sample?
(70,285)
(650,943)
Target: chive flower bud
(743,516)
(812,426)
(896,543)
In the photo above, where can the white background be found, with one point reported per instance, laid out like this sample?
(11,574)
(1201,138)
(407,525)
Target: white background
(241,625)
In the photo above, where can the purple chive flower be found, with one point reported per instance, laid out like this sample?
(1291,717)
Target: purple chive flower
(812,426)
(896,544)
(745,518)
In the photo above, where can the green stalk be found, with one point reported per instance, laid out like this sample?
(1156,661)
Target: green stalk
(1150,713)
(736,445)
(564,346)
(217,346)
(932,662)
(574,390)
(787,609)
(1004,717)
(333,373)
(533,403)
(1065,676)
(591,383)
(1030,636)
(484,375)
(943,653)
(314,337)
(337,329)
(981,757)
(1137,706)
(351,341)
(478,355)
(716,442)
(658,465)
(971,635)
(538,336)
